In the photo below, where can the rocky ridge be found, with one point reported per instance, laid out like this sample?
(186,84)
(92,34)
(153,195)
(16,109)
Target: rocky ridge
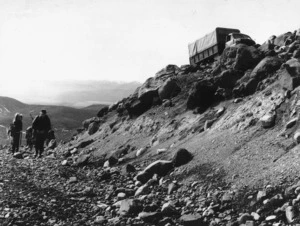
(215,144)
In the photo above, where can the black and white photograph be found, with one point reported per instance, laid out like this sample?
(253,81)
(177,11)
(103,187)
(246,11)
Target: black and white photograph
(149,112)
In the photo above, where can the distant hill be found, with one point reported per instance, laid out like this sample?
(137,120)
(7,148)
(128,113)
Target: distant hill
(94,107)
(72,93)
(63,118)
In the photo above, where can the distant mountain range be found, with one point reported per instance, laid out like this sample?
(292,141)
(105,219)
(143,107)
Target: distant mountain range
(71,92)
(63,118)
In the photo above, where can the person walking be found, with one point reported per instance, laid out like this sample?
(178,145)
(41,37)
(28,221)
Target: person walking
(41,126)
(16,131)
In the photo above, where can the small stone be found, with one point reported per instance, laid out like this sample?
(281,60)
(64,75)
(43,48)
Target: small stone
(250,223)
(237,100)
(172,187)
(255,216)
(289,214)
(121,195)
(149,217)
(72,180)
(64,162)
(73,151)
(106,164)
(100,220)
(297,137)
(268,120)
(220,111)
(244,217)
(261,195)
(291,123)
(271,218)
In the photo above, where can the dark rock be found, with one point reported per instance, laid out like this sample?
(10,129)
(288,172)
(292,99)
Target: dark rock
(181,157)
(159,167)
(103,111)
(228,78)
(169,89)
(87,122)
(104,176)
(83,144)
(293,67)
(202,95)
(130,207)
(93,128)
(130,168)
(146,96)
(18,155)
(296,53)
(113,160)
(249,82)
(291,123)
(136,107)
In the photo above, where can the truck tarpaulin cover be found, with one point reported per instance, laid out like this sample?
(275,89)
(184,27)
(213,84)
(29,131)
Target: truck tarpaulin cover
(203,43)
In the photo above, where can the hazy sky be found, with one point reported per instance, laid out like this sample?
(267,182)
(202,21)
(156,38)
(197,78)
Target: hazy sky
(122,40)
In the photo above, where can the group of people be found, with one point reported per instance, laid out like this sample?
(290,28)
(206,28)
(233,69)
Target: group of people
(35,135)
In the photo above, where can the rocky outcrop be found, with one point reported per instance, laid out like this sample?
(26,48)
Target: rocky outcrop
(201,95)
(168,89)
(241,57)
(103,111)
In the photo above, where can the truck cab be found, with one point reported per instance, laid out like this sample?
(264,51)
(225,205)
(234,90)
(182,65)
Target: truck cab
(238,38)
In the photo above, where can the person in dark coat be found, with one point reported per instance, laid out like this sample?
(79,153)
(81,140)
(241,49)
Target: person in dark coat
(41,126)
(16,131)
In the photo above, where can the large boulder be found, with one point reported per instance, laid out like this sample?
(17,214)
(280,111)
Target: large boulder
(267,66)
(181,157)
(241,57)
(147,96)
(167,71)
(228,78)
(103,111)
(290,76)
(93,128)
(201,95)
(87,122)
(135,107)
(169,89)
(159,167)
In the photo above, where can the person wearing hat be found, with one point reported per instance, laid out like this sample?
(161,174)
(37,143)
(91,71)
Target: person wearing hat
(41,125)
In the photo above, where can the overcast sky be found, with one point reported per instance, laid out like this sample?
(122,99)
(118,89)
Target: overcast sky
(122,40)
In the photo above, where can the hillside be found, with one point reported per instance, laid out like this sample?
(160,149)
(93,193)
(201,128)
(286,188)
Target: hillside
(215,144)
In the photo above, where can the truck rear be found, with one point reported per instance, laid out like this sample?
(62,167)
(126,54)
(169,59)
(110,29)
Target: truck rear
(210,46)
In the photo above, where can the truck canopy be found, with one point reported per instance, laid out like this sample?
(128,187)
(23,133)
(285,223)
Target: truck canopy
(203,43)
(208,41)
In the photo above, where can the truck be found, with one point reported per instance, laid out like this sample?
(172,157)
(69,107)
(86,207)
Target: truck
(211,46)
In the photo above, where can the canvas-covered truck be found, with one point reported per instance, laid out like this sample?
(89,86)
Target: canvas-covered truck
(212,45)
